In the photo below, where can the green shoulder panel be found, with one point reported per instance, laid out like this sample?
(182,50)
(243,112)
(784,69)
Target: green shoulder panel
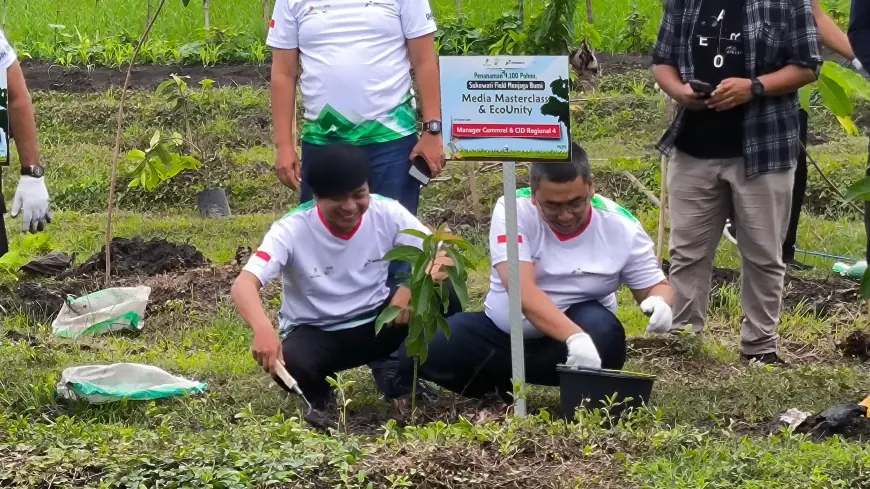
(300,208)
(604,204)
(524,192)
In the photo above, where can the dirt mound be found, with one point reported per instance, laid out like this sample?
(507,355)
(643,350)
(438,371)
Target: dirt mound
(139,257)
(856,345)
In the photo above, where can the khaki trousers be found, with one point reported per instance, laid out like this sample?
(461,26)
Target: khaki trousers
(701,193)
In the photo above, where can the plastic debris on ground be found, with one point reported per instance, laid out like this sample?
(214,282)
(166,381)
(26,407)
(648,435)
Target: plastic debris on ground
(49,265)
(112,309)
(855,271)
(99,384)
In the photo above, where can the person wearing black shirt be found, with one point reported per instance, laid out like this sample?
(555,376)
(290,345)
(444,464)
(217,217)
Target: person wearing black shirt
(859,37)
(735,149)
(834,39)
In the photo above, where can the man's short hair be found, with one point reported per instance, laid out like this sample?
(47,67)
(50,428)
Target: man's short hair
(563,172)
(337,169)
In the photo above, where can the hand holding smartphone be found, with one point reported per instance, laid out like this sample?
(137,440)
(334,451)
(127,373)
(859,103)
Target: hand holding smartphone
(420,170)
(701,88)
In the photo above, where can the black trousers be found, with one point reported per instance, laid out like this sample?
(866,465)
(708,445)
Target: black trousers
(798,193)
(476,360)
(312,354)
(4,243)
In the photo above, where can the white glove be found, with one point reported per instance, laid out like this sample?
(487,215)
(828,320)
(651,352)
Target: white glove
(582,352)
(660,315)
(32,198)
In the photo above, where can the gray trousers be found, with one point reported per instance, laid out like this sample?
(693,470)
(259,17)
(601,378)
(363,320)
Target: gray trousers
(701,194)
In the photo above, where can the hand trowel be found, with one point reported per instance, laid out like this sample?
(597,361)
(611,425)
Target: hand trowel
(290,382)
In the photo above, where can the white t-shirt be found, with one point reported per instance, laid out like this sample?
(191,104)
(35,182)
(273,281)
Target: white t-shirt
(335,282)
(613,250)
(356,82)
(7,54)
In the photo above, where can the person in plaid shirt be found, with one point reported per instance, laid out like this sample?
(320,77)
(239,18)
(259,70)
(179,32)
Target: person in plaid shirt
(733,144)
(859,37)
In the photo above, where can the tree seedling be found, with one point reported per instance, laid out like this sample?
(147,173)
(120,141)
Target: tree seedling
(429,297)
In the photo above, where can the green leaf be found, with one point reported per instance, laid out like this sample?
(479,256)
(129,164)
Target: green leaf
(404,253)
(185,2)
(422,298)
(443,325)
(804,95)
(415,232)
(444,293)
(386,316)
(133,183)
(849,126)
(163,87)
(459,286)
(854,84)
(865,285)
(163,153)
(155,140)
(835,97)
(136,155)
(859,190)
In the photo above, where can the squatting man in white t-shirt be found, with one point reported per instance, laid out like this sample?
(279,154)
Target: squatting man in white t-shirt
(329,253)
(576,249)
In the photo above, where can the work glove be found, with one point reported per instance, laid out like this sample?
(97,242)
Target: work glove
(660,315)
(31,198)
(582,352)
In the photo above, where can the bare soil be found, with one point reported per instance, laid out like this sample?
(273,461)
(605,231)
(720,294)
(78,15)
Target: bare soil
(136,256)
(43,76)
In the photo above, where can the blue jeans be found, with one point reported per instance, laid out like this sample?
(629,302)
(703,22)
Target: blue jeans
(390,164)
(476,360)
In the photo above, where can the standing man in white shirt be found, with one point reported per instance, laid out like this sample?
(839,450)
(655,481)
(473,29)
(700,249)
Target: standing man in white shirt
(356,57)
(17,121)
(329,253)
(576,249)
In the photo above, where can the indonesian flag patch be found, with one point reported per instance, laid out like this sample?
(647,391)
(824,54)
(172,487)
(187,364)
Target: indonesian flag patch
(502,239)
(272,24)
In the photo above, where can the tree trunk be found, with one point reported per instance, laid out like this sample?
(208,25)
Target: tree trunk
(267,15)
(458,9)
(522,13)
(589,17)
(206,10)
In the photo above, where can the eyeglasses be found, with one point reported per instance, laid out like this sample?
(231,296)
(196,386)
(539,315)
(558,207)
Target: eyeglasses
(574,208)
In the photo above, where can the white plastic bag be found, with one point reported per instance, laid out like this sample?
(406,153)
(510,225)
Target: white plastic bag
(106,383)
(107,310)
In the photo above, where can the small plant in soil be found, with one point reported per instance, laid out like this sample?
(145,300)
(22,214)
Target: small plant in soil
(159,162)
(429,297)
(30,247)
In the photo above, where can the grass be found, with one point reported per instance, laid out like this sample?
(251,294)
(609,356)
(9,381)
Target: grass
(95,32)
(706,425)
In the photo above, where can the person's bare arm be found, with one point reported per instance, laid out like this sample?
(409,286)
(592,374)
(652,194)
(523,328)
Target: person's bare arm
(266,346)
(662,289)
(538,308)
(421,51)
(831,35)
(787,80)
(246,296)
(285,71)
(23,125)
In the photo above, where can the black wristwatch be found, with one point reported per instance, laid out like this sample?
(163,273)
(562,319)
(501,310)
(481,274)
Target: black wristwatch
(35,171)
(432,127)
(757,88)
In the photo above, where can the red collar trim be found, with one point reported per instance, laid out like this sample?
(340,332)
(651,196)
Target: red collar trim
(566,237)
(336,233)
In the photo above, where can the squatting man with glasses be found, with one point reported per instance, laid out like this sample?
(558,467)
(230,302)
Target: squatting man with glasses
(576,249)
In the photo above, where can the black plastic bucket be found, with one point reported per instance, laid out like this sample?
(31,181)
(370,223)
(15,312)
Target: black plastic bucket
(212,203)
(613,389)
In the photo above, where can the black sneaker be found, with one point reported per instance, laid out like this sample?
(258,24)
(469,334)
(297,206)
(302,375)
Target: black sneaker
(792,263)
(765,359)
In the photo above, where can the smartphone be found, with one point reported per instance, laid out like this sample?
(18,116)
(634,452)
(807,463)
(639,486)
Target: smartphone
(701,88)
(420,170)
